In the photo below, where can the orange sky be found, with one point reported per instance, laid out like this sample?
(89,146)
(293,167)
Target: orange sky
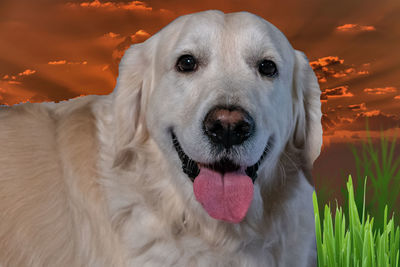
(55,50)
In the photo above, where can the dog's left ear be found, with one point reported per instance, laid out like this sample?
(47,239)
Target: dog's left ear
(307,134)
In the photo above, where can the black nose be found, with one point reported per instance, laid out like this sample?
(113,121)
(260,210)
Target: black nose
(228,126)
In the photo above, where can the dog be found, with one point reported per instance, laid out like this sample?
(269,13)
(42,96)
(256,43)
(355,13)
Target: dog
(201,156)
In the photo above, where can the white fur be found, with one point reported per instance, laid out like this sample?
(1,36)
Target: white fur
(96,181)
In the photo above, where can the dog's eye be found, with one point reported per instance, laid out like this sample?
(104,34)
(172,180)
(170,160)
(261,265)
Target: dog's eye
(267,68)
(186,63)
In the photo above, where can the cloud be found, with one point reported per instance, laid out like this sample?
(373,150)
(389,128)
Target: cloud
(370,113)
(339,75)
(64,62)
(353,28)
(111,35)
(325,61)
(57,62)
(343,73)
(377,120)
(397,97)
(327,123)
(351,136)
(13,93)
(334,125)
(134,5)
(357,107)
(78,63)
(138,37)
(363,72)
(340,91)
(346,120)
(329,67)
(16,79)
(380,91)
(27,72)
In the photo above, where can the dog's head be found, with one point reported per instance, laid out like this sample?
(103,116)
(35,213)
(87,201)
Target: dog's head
(222,95)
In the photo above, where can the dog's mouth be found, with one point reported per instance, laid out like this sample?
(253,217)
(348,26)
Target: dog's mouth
(192,168)
(224,189)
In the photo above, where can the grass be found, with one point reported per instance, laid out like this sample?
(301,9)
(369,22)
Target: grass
(347,236)
(356,244)
(382,168)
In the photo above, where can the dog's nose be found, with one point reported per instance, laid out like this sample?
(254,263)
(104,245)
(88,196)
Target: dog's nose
(228,126)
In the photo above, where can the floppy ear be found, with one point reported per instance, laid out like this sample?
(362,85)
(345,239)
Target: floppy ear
(129,102)
(307,134)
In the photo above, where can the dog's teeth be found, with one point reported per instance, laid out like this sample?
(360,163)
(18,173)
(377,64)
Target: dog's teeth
(190,168)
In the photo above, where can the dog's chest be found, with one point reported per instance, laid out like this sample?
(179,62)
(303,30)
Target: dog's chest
(193,252)
(149,244)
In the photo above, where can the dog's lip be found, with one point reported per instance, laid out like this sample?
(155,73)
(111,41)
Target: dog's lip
(192,168)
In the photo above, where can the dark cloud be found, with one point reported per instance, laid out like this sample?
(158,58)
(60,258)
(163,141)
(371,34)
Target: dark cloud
(340,91)
(325,62)
(377,121)
(332,67)
(357,107)
(327,123)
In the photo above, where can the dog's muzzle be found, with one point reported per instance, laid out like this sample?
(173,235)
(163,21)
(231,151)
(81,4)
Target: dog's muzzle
(224,189)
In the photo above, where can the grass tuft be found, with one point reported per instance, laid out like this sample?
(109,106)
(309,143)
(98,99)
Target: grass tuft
(356,244)
(382,167)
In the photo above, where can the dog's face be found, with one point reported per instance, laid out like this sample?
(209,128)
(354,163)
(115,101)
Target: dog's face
(222,95)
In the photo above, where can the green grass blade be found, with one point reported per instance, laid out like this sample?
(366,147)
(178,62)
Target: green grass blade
(358,244)
(318,235)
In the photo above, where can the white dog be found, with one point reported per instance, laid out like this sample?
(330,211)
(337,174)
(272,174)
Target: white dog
(200,157)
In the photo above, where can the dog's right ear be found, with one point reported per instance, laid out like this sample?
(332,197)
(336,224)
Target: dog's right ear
(129,101)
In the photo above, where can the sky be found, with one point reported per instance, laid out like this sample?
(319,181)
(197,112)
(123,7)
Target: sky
(53,50)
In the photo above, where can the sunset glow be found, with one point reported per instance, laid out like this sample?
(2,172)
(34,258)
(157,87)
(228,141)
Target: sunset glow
(57,50)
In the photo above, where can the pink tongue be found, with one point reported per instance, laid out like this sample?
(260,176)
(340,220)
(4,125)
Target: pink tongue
(225,197)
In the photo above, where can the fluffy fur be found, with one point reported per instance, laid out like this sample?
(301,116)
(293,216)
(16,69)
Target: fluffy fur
(95,181)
